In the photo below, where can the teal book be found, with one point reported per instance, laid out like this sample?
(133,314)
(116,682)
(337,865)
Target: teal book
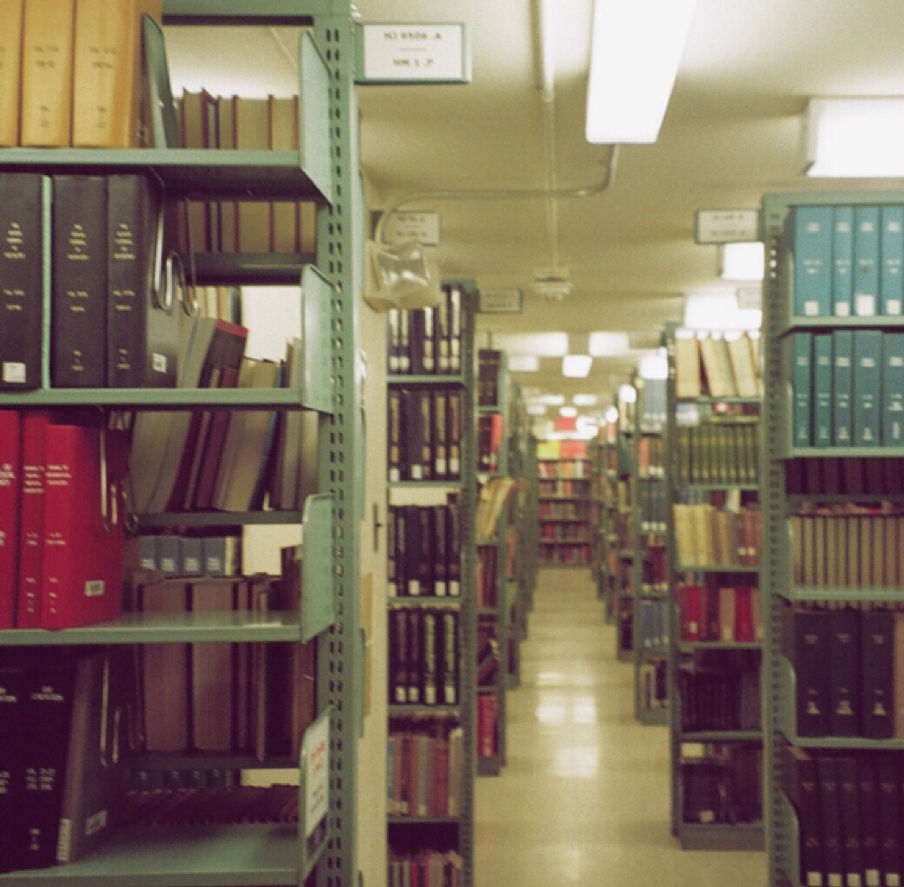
(867,387)
(843,387)
(812,248)
(842,260)
(893,389)
(866,261)
(891,272)
(822,389)
(801,370)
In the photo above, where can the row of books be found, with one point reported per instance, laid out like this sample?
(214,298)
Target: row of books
(99,238)
(563,489)
(653,413)
(487,725)
(564,532)
(654,566)
(429,868)
(849,670)
(653,685)
(487,655)
(726,790)
(564,468)
(652,616)
(53,93)
(848,810)
(562,511)
(651,457)
(707,536)
(425,429)
(490,431)
(245,698)
(487,577)
(564,554)
(723,700)
(715,612)
(424,657)
(493,497)
(717,364)
(424,773)
(847,550)
(424,550)
(175,554)
(62,509)
(426,341)
(847,388)
(561,449)
(268,123)
(717,453)
(489,370)
(848,261)
(652,505)
(850,475)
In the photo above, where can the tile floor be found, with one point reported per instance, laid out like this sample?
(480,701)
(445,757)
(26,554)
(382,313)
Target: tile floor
(584,797)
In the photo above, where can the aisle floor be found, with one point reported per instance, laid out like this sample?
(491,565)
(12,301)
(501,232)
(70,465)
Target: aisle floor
(584,797)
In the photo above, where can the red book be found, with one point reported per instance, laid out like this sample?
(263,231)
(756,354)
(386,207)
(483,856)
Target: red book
(10,465)
(744,622)
(486,726)
(31,519)
(83,540)
(689,607)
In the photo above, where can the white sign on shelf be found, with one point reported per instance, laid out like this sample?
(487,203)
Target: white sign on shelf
(424,227)
(414,52)
(315,786)
(509,301)
(727,226)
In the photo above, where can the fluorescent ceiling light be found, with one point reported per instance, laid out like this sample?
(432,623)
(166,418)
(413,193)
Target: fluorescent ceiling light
(654,366)
(609,344)
(627,394)
(576,366)
(541,344)
(568,412)
(611,414)
(536,409)
(524,363)
(553,400)
(854,138)
(585,400)
(634,55)
(719,311)
(741,261)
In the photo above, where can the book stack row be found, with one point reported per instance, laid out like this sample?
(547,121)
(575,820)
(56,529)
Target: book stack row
(654,567)
(71,99)
(561,450)
(847,388)
(424,657)
(847,476)
(725,790)
(487,725)
(564,468)
(848,810)
(243,123)
(562,511)
(489,368)
(247,698)
(487,655)
(651,457)
(848,260)
(99,238)
(861,692)
(563,489)
(653,623)
(564,532)
(424,773)
(653,506)
(653,685)
(565,554)
(62,507)
(716,453)
(490,429)
(718,613)
(425,429)
(727,699)
(175,554)
(859,550)
(717,364)
(426,341)
(430,868)
(707,536)
(424,551)
(487,577)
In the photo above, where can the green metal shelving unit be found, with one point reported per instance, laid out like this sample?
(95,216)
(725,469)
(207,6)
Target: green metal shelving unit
(326,171)
(623,531)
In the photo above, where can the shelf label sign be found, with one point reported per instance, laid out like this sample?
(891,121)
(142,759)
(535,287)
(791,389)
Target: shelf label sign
(416,225)
(413,53)
(727,226)
(315,786)
(510,301)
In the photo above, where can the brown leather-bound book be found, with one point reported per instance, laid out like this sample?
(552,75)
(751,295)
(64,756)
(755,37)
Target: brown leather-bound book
(284,137)
(47,50)
(251,119)
(106,78)
(10,70)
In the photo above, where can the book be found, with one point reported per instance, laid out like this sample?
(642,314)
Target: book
(850,822)
(800,365)
(48,39)
(866,272)
(869,801)
(107,72)
(809,638)
(12,729)
(142,313)
(79,281)
(823,397)
(842,260)
(891,251)
(742,364)
(877,669)
(844,666)
(717,365)
(687,365)
(10,70)
(251,122)
(830,812)
(284,128)
(24,208)
(83,530)
(867,390)
(892,384)
(811,247)
(843,388)
(889,803)
(10,480)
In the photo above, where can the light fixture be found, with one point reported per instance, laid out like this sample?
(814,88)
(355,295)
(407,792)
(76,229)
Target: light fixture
(576,366)
(552,400)
(524,363)
(568,412)
(585,400)
(654,366)
(741,261)
(611,414)
(719,311)
(608,344)
(627,394)
(854,138)
(635,50)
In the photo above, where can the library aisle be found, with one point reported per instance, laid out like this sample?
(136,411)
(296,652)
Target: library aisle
(584,797)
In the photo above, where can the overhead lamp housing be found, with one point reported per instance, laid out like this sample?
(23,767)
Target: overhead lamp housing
(854,137)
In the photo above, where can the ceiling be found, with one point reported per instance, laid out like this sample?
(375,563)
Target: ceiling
(731,133)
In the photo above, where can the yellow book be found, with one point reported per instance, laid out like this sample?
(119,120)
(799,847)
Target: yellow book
(48,33)
(107,74)
(10,65)
(283,114)
(251,121)
(687,364)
